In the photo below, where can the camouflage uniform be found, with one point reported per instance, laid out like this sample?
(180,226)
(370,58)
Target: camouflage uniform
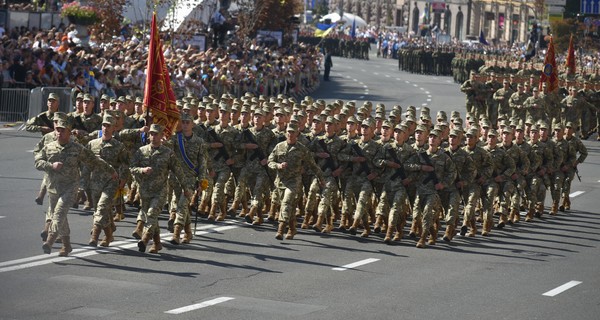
(473,192)
(452,196)
(579,148)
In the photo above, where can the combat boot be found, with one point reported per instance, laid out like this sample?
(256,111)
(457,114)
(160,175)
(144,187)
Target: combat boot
(176,234)
(554,209)
(139,228)
(502,221)
(318,225)
(130,196)
(421,242)
(44,233)
(272,210)
(414,228)
(188,235)
(567,203)
(292,230)
(378,223)
(156,245)
(539,209)
(47,246)
(143,242)
(41,195)
(94,237)
(432,235)
(516,215)
(529,215)
(484,229)
(366,226)
(388,234)
(464,228)
(449,234)
(250,216)
(280,229)
(171,221)
(473,228)
(343,222)
(212,215)
(89,204)
(354,226)
(305,221)
(329,225)
(108,237)
(223,212)
(233,209)
(259,217)
(66,246)
(136,200)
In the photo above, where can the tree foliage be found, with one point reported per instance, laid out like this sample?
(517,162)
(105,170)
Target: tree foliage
(266,14)
(111,15)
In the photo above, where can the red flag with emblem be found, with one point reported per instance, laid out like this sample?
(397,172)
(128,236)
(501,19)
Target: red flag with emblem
(159,97)
(549,71)
(571,57)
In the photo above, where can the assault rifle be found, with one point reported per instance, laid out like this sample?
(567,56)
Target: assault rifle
(223,154)
(364,167)
(427,160)
(329,161)
(399,171)
(258,151)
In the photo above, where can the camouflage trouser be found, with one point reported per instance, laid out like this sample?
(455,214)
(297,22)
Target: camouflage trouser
(183,215)
(257,180)
(566,187)
(104,199)
(327,196)
(450,200)
(517,197)
(536,190)
(359,192)
(489,193)
(58,209)
(556,185)
(428,204)
(287,192)
(396,198)
(151,207)
(218,194)
(231,185)
(506,190)
(472,195)
(314,190)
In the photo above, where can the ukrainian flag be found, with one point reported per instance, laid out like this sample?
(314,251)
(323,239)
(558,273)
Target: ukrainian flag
(324,29)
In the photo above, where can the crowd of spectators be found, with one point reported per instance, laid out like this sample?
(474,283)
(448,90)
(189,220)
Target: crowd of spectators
(116,65)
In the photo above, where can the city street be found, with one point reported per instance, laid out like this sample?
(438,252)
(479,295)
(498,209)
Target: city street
(547,269)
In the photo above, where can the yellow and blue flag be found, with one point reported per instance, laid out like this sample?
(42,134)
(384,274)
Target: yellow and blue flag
(324,29)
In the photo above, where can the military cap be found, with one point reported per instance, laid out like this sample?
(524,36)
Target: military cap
(435,132)
(507,129)
(344,111)
(442,124)
(458,121)
(401,127)
(279,111)
(425,110)
(485,124)
(441,115)
(569,125)
(379,115)
(387,124)
(422,128)
(53,96)
(129,98)
(368,122)
(79,96)
(534,128)
(223,106)
(472,132)
(292,127)
(211,106)
(121,99)
(455,132)
(410,118)
(543,125)
(187,106)
(519,127)
(535,89)
(520,85)
(413,108)
(558,126)
(236,107)
(363,110)
(317,117)
(257,112)
(352,119)
(337,118)
(330,119)
(156,128)
(108,119)
(492,132)
(139,100)
(206,99)
(295,118)
(62,123)
(59,115)
(186,117)
(425,116)
(454,114)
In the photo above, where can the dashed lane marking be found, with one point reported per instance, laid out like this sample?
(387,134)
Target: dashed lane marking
(424,104)
(407,81)
(199,305)
(86,251)
(576,193)
(561,289)
(428,100)
(355,264)
(361,97)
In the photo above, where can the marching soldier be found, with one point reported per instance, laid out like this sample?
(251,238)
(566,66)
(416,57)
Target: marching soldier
(582,152)
(568,159)
(521,160)
(501,97)
(516,103)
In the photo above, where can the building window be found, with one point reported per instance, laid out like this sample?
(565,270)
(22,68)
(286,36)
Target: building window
(447,21)
(459,26)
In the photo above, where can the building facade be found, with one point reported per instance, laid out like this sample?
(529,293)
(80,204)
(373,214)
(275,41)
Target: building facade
(502,21)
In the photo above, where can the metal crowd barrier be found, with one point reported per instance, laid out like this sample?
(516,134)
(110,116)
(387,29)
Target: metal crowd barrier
(13,104)
(39,96)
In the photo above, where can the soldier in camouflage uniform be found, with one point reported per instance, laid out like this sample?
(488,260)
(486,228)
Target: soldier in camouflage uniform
(452,196)
(582,152)
(501,97)
(536,188)
(535,107)
(61,160)
(516,101)
(437,172)
(151,164)
(359,189)
(521,160)
(102,192)
(191,153)
(289,158)
(568,158)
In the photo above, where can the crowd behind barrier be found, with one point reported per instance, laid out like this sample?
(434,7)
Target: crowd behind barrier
(116,65)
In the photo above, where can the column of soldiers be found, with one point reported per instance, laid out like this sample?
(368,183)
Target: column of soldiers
(439,61)
(357,48)
(308,164)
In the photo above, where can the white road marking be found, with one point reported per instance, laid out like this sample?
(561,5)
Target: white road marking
(355,264)
(406,81)
(576,193)
(29,150)
(561,289)
(355,80)
(428,96)
(418,108)
(365,86)
(398,79)
(376,73)
(421,88)
(428,100)
(387,76)
(415,85)
(424,104)
(427,92)
(199,305)
(2,217)
(348,77)
(363,70)
(361,97)
(85,251)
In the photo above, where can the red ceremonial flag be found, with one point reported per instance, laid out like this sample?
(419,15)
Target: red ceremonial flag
(571,57)
(159,97)
(549,72)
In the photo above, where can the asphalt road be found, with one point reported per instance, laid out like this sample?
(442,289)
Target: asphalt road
(235,271)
